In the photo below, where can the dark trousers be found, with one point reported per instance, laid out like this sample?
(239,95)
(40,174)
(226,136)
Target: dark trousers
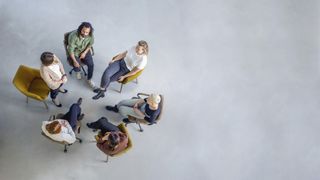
(113,72)
(72,115)
(87,61)
(104,125)
(54,92)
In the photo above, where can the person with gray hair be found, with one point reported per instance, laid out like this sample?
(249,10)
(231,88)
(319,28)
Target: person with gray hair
(147,109)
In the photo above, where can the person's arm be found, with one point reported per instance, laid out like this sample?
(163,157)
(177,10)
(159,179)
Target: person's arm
(71,48)
(52,84)
(64,75)
(131,73)
(137,110)
(118,57)
(69,137)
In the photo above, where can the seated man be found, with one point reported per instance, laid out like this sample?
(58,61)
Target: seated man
(80,42)
(110,139)
(63,129)
(147,109)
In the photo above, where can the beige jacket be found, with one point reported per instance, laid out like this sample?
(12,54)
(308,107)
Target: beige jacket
(50,77)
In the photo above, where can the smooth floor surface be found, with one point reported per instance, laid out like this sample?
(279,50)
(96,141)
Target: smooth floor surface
(240,80)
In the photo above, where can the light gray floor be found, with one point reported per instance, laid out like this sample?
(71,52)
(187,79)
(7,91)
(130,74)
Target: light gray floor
(240,78)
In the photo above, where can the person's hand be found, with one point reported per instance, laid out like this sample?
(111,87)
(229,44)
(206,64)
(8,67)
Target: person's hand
(135,105)
(121,78)
(76,64)
(82,55)
(64,78)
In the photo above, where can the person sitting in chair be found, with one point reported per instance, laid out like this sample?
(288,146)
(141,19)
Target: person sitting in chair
(147,109)
(122,66)
(53,74)
(63,129)
(110,139)
(80,42)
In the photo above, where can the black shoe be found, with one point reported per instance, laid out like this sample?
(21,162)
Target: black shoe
(89,125)
(63,91)
(79,102)
(112,108)
(96,90)
(99,95)
(126,120)
(58,105)
(80,117)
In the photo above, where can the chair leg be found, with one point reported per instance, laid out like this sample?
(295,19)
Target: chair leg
(121,88)
(84,71)
(136,80)
(65,148)
(140,128)
(107,159)
(45,104)
(27,100)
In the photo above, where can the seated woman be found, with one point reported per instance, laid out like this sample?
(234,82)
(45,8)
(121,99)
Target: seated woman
(53,74)
(146,109)
(110,139)
(63,129)
(123,65)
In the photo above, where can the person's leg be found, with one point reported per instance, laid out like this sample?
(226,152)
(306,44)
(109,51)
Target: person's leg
(103,124)
(89,62)
(127,102)
(126,111)
(53,94)
(111,70)
(72,115)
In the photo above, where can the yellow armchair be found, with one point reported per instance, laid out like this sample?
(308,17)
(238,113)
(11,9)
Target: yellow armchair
(29,82)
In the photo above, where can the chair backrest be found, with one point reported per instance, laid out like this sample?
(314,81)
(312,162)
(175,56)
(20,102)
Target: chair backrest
(161,108)
(24,77)
(123,129)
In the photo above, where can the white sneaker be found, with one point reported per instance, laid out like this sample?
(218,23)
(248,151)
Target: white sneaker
(91,84)
(78,74)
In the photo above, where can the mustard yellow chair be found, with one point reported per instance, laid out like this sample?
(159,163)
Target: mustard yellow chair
(142,121)
(29,82)
(129,79)
(123,129)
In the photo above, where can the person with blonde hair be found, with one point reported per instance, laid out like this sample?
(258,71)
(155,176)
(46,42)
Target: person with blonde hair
(147,109)
(123,65)
(52,72)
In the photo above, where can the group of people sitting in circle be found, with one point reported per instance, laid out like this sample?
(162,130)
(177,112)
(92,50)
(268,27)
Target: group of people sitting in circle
(123,65)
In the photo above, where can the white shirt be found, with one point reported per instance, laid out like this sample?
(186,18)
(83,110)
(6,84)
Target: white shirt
(56,69)
(66,133)
(133,60)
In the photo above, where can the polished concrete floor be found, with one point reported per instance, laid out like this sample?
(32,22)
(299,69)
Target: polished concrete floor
(240,80)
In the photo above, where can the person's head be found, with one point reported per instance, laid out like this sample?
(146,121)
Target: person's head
(113,140)
(85,29)
(153,100)
(54,127)
(142,48)
(47,58)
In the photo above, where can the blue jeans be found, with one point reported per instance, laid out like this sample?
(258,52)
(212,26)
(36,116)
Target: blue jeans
(104,125)
(113,72)
(87,61)
(72,115)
